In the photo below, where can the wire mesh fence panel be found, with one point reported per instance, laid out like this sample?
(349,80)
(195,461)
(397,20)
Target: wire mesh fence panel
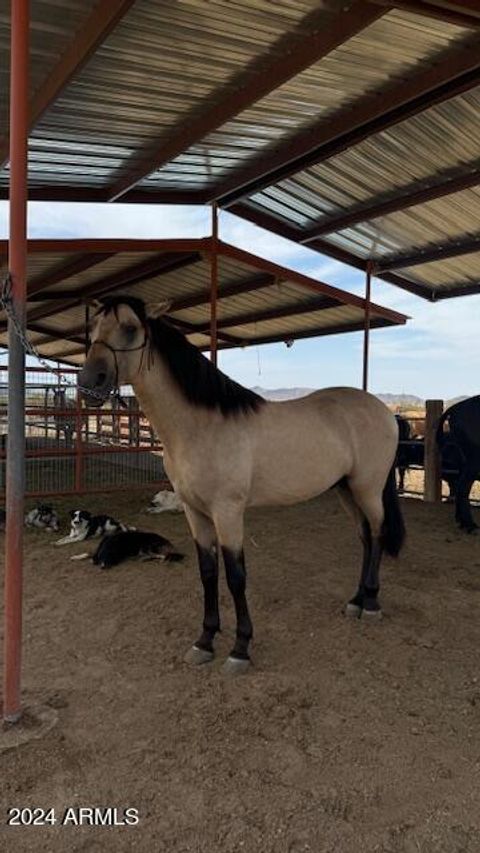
(70,448)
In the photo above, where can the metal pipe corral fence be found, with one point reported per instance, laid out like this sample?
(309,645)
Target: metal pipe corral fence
(70,449)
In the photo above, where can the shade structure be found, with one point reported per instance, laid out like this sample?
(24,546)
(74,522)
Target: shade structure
(351,127)
(258,301)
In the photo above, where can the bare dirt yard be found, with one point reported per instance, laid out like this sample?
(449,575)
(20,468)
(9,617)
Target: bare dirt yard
(345,737)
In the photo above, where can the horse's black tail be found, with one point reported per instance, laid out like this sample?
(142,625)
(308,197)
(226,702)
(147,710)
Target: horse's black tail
(393,533)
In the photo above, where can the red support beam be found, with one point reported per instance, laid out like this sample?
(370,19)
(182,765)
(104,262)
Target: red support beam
(292,54)
(429,254)
(66,271)
(318,304)
(105,16)
(289,232)
(214,285)
(455,71)
(194,329)
(460,289)
(367,326)
(51,335)
(462,14)
(112,246)
(17,262)
(279,272)
(44,192)
(255,282)
(410,196)
(318,332)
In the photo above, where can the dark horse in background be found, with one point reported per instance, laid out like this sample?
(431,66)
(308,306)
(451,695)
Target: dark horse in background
(411,452)
(464,432)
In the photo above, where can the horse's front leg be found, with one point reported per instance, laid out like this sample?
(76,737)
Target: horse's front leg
(204,536)
(229,526)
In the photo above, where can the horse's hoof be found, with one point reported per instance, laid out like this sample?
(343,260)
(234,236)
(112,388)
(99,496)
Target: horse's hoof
(196,656)
(353,611)
(372,615)
(236,666)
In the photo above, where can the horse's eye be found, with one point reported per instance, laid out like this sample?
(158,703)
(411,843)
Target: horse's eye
(129,331)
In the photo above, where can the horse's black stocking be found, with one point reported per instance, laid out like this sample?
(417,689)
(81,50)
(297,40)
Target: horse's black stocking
(366,537)
(366,596)
(236,580)
(208,564)
(372,580)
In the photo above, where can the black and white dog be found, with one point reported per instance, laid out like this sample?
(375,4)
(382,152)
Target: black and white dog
(84,525)
(42,516)
(113,549)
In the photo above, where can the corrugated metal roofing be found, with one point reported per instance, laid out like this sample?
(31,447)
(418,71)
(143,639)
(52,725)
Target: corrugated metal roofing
(257,300)
(122,119)
(389,49)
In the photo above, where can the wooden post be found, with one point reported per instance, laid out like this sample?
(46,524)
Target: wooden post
(214,285)
(133,422)
(366,334)
(432,464)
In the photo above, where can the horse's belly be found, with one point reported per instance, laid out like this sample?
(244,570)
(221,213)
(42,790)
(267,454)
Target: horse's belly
(285,486)
(295,465)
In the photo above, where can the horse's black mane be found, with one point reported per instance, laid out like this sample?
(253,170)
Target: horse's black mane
(202,383)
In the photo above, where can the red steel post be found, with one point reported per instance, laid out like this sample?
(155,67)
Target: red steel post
(17,262)
(366,334)
(214,286)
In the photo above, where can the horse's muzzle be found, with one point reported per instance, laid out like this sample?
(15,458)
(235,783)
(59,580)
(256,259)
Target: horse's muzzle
(96,380)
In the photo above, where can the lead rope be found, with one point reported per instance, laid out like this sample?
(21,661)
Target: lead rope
(6,304)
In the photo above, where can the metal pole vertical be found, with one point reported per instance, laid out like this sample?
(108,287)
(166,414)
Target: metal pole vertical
(214,285)
(17,262)
(78,443)
(87,347)
(366,334)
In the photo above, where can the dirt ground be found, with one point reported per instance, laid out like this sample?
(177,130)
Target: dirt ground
(345,737)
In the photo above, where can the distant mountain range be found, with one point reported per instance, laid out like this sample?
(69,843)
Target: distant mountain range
(405,401)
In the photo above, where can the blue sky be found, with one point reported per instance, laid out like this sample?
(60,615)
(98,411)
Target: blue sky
(436,355)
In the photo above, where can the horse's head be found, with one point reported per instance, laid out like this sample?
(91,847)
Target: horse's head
(119,338)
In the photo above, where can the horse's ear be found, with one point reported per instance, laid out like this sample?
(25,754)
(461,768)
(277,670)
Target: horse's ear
(94,303)
(156,309)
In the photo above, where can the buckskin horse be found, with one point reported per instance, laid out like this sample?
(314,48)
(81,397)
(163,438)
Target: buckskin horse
(222,445)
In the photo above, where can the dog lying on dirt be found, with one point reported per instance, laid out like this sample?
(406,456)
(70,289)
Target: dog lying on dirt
(43,516)
(84,525)
(117,547)
(165,501)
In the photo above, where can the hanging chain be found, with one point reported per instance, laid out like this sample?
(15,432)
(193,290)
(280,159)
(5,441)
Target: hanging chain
(6,303)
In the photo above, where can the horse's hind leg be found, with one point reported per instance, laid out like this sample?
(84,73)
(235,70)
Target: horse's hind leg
(367,509)
(204,536)
(354,607)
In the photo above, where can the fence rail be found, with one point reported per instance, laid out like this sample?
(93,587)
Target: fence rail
(71,448)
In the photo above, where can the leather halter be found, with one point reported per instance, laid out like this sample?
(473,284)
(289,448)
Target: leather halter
(114,350)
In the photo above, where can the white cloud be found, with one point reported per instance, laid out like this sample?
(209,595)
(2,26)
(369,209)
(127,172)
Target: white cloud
(113,220)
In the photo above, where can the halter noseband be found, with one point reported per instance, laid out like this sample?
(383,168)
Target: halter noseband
(114,350)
